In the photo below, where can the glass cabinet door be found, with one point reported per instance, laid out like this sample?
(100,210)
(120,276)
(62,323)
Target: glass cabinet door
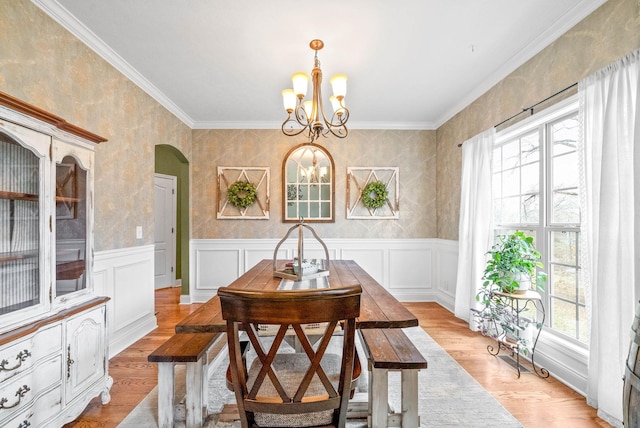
(20,240)
(71,214)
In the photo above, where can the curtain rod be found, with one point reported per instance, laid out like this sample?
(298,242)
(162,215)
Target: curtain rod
(530,108)
(536,104)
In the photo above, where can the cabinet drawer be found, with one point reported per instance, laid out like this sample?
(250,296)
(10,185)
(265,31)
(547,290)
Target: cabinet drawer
(22,354)
(21,391)
(45,407)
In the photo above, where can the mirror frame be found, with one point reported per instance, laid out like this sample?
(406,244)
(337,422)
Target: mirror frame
(287,158)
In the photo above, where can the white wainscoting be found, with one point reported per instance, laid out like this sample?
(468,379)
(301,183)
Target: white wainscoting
(410,269)
(126,276)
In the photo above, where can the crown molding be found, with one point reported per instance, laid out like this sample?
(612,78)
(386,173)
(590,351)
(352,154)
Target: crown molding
(561,26)
(89,38)
(78,29)
(277,125)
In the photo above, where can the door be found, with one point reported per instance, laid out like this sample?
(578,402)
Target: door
(86,351)
(165,228)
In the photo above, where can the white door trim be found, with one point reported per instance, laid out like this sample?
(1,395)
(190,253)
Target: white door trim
(165,227)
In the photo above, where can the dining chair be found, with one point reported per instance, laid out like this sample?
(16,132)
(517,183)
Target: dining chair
(282,388)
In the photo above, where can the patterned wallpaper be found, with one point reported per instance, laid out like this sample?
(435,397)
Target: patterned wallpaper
(412,151)
(609,33)
(43,64)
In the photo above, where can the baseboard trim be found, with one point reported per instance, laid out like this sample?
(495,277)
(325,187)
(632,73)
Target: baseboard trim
(130,334)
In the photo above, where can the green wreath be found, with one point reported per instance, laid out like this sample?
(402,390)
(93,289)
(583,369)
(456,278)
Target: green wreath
(374,195)
(241,194)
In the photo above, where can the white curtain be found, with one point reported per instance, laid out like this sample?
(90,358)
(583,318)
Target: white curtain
(610,185)
(474,233)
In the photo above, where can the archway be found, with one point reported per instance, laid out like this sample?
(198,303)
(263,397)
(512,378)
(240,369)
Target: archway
(170,161)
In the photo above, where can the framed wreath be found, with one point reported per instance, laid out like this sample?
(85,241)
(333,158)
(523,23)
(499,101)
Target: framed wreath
(241,194)
(374,194)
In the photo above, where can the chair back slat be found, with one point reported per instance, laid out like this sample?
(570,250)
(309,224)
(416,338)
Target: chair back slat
(267,360)
(292,388)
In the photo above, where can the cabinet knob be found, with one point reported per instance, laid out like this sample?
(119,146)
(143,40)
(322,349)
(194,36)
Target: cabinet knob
(70,362)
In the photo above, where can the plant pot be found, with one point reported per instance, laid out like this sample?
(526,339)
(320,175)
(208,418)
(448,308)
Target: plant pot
(524,282)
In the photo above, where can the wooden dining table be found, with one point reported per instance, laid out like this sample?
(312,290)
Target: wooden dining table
(378,308)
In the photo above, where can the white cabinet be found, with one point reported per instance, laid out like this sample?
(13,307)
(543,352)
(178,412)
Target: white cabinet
(51,369)
(85,352)
(53,327)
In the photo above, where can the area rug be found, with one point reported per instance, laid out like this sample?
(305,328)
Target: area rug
(449,396)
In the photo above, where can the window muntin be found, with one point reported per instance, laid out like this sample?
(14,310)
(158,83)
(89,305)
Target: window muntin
(535,173)
(563,136)
(516,180)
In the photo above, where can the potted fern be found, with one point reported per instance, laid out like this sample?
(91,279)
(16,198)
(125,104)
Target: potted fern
(511,268)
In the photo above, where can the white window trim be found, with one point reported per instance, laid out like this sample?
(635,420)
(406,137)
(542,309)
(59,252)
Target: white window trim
(565,358)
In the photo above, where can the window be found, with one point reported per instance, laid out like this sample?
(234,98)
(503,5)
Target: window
(535,189)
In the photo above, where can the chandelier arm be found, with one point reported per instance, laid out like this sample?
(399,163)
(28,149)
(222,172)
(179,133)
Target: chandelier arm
(339,129)
(301,115)
(290,130)
(343,116)
(340,132)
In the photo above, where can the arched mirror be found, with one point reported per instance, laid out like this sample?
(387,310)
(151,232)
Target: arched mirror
(308,184)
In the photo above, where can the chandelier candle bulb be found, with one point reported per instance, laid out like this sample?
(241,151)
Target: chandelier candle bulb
(300,83)
(289,100)
(336,104)
(339,85)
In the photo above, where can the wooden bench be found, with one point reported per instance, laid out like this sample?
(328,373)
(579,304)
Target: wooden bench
(391,349)
(190,349)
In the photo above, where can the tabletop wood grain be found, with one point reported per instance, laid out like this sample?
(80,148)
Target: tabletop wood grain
(378,308)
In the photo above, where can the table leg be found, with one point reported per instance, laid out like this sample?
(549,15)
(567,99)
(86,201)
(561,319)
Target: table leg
(379,397)
(165,395)
(410,418)
(194,394)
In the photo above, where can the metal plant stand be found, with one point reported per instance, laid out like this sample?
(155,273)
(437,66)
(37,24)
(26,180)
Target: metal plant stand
(519,302)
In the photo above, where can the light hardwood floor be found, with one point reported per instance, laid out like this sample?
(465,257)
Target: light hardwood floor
(535,402)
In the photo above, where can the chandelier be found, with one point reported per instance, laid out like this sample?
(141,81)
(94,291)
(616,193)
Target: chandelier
(309,115)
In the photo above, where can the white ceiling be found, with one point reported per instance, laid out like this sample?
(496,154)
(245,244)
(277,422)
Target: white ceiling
(412,64)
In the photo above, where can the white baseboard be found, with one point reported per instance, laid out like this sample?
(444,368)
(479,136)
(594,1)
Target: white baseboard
(128,336)
(185,299)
